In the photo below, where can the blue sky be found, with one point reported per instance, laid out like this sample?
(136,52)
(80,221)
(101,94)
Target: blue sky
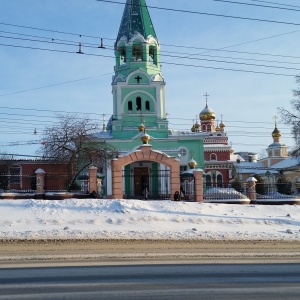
(36,83)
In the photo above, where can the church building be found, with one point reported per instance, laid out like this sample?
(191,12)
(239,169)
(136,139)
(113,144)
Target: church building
(139,115)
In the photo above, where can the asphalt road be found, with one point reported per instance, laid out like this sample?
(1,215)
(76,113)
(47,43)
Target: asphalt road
(186,281)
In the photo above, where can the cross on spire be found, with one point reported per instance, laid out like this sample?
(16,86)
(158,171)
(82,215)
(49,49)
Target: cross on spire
(138,78)
(275,118)
(206,97)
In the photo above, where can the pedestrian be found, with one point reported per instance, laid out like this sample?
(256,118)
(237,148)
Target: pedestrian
(182,194)
(146,194)
(176,196)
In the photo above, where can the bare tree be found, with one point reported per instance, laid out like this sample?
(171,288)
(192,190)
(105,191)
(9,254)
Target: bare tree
(293,117)
(72,139)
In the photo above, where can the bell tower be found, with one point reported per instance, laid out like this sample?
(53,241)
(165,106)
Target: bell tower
(138,86)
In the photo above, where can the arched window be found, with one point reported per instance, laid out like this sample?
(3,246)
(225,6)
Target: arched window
(213,156)
(138,103)
(153,55)
(219,180)
(208,180)
(122,51)
(203,128)
(137,52)
(208,127)
(147,105)
(129,105)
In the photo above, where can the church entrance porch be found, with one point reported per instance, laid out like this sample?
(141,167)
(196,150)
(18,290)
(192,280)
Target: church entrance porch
(145,173)
(146,180)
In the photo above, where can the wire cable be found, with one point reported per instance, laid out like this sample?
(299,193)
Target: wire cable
(207,14)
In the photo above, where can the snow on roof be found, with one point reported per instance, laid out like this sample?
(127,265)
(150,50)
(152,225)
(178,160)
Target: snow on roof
(103,134)
(287,163)
(235,157)
(252,167)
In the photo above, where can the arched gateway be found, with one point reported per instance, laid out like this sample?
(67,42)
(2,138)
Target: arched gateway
(145,173)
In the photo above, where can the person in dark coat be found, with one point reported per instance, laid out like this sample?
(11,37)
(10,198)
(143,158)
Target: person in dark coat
(176,196)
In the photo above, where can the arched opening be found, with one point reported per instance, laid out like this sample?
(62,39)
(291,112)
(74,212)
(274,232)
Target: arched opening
(208,180)
(122,55)
(213,156)
(156,171)
(208,128)
(204,128)
(137,52)
(147,105)
(138,103)
(129,105)
(153,55)
(219,180)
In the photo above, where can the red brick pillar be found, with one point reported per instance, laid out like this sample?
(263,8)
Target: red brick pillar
(40,181)
(92,179)
(198,185)
(116,174)
(251,188)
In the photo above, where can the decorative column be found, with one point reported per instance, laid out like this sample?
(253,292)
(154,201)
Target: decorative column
(92,179)
(40,181)
(198,176)
(117,191)
(251,190)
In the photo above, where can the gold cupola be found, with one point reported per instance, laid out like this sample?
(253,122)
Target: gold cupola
(276,133)
(207,114)
(145,138)
(218,128)
(193,129)
(192,164)
(141,127)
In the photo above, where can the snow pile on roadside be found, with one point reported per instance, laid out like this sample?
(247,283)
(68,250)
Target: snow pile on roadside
(135,219)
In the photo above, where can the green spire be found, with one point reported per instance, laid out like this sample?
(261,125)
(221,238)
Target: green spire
(136,18)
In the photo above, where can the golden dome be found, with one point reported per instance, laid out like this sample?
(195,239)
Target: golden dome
(222,125)
(197,126)
(207,114)
(217,128)
(141,127)
(193,129)
(276,133)
(231,150)
(145,138)
(192,164)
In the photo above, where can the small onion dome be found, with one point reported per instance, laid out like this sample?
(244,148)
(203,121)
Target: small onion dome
(141,127)
(145,138)
(222,125)
(231,150)
(207,114)
(276,133)
(197,126)
(193,129)
(218,128)
(192,164)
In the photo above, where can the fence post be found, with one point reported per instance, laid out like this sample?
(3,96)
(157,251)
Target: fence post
(251,188)
(92,179)
(40,181)
(198,175)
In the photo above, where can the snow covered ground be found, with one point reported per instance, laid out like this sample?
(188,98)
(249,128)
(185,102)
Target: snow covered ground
(135,219)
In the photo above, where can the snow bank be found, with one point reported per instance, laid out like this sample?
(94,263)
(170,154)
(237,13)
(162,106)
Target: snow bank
(136,219)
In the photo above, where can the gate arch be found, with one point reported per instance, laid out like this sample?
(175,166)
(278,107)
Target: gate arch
(144,153)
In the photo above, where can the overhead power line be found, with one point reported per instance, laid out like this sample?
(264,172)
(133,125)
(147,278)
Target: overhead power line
(53,31)
(209,14)
(169,63)
(270,2)
(258,5)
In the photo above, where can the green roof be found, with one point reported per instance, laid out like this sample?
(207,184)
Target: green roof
(136,18)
